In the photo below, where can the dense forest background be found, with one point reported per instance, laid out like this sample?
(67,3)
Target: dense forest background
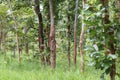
(59,39)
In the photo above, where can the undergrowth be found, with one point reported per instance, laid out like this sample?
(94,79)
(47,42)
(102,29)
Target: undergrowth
(32,70)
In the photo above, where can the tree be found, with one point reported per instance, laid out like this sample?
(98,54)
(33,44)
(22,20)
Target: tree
(3,29)
(82,37)
(75,39)
(118,7)
(69,34)
(109,33)
(47,42)
(52,36)
(47,31)
(40,32)
(16,33)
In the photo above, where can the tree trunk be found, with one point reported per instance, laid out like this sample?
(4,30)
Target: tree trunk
(118,6)
(17,43)
(26,48)
(112,49)
(1,39)
(14,52)
(16,33)
(81,38)
(3,45)
(2,42)
(75,37)
(52,36)
(48,43)
(40,32)
(26,43)
(48,47)
(69,33)
(111,42)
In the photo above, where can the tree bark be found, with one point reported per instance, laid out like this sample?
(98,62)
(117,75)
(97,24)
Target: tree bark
(75,37)
(1,33)
(18,49)
(118,7)
(69,33)
(48,49)
(112,49)
(40,32)
(14,52)
(81,39)
(26,43)
(48,42)
(26,48)
(47,31)
(52,36)
(3,44)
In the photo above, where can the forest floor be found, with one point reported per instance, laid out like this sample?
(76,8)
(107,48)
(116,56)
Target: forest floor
(32,70)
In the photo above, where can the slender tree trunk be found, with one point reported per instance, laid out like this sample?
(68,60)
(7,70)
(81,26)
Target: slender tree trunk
(81,39)
(3,45)
(16,33)
(26,48)
(17,41)
(2,42)
(110,34)
(52,36)
(40,32)
(48,47)
(112,49)
(75,37)
(1,38)
(48,42)
(69,33)
(26,42)
(48,35)
(33,48)
(14,52)
(18,49)
(118,6)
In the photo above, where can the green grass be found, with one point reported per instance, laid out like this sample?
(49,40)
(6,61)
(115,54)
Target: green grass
(32,70)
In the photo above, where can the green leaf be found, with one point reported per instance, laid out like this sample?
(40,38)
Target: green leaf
(112,56)
(87,7)
(96,47)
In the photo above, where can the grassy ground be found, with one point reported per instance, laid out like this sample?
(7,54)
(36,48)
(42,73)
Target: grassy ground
(31,70)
